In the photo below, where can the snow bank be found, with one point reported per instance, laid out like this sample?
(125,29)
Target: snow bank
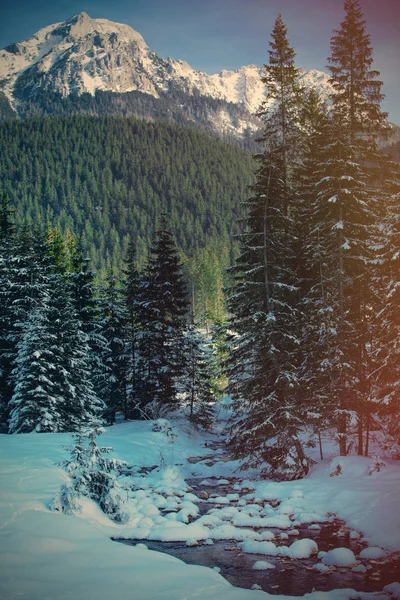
(49,555)
(367,503)
(393,589)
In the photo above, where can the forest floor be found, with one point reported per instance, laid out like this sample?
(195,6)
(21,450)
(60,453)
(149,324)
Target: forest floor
(183,492)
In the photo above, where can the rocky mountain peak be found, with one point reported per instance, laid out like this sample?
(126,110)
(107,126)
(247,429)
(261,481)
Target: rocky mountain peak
(78,26)
(85,55)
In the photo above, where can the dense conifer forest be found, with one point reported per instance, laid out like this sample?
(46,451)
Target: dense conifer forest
(109,178)
(312,237)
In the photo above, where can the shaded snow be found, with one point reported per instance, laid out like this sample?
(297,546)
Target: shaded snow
(48,555)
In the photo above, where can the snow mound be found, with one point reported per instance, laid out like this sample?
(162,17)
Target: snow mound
(254,547)
(321,567)
(178,532)
(229,532)
(263,565)
(359,569)
(393,589)
(339,557)
(372,553)
(303,548)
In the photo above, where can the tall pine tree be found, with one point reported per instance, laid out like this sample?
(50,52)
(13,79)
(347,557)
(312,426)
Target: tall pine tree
(162,314)
(350,201)
(262,366)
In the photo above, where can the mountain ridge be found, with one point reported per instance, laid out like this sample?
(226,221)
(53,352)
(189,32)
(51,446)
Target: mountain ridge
(85,55)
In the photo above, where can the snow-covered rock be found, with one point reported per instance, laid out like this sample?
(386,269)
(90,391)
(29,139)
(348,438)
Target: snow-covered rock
(339,557)
(372,553)
(303,548)
(321,567)
(393,589)
(263,565)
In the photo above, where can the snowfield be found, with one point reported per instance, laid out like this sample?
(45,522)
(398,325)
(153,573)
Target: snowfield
(47,555)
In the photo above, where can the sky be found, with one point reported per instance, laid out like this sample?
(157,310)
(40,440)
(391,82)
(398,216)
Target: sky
(212,35)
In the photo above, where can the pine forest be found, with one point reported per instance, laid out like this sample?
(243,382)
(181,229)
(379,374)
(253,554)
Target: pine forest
(287,258)
(217,293)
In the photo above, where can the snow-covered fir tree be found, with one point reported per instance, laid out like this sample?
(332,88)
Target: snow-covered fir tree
(262,367)
(348,199)
(162,316)
(114,318)
(282,133)
(52,375)
(384,408)
(7,241)
(24,273)
(132,291)
(81,283)
(37,398)
(199,378)
(321,366)
(92,474)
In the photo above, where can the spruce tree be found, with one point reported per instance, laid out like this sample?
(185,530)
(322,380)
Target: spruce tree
(52,375)
(357,91)
(199,378)
(24,271)
(162,315)
(114,354)
(132,290)
(7,348)
(321,366)
(36,402)
(281,111)
(351,200)
(262,367)
(385,378)
(81,284)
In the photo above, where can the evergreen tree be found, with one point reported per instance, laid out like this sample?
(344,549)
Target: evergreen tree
(262,365)
(7,227)
(385,379)
(81,283)
(132,296)
(36,402)
(357,91)
(282,133)
(199,380)
(53,386)
(162,315)
(23,271)
(93,474)
(114,318)
(7,240)
(350,200)
(320,364)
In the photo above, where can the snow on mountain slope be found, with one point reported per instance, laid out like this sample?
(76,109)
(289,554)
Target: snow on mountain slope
(85,55)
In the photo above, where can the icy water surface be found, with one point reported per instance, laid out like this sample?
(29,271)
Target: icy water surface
(290,576)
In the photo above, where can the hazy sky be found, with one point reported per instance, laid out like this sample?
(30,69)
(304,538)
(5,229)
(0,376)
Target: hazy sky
(212,35)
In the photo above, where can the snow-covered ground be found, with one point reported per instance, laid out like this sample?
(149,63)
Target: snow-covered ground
(46,555)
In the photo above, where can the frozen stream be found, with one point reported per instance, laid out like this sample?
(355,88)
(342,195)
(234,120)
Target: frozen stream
(289,576)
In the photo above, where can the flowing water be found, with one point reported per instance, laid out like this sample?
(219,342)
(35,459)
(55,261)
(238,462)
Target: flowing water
(290,576)
(293,577)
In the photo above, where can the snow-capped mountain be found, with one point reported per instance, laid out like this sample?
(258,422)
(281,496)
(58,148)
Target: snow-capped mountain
(86,55)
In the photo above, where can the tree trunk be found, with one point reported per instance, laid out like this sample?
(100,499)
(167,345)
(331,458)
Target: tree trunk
(360,435)
(320,446)
(366,450)
(302,457)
